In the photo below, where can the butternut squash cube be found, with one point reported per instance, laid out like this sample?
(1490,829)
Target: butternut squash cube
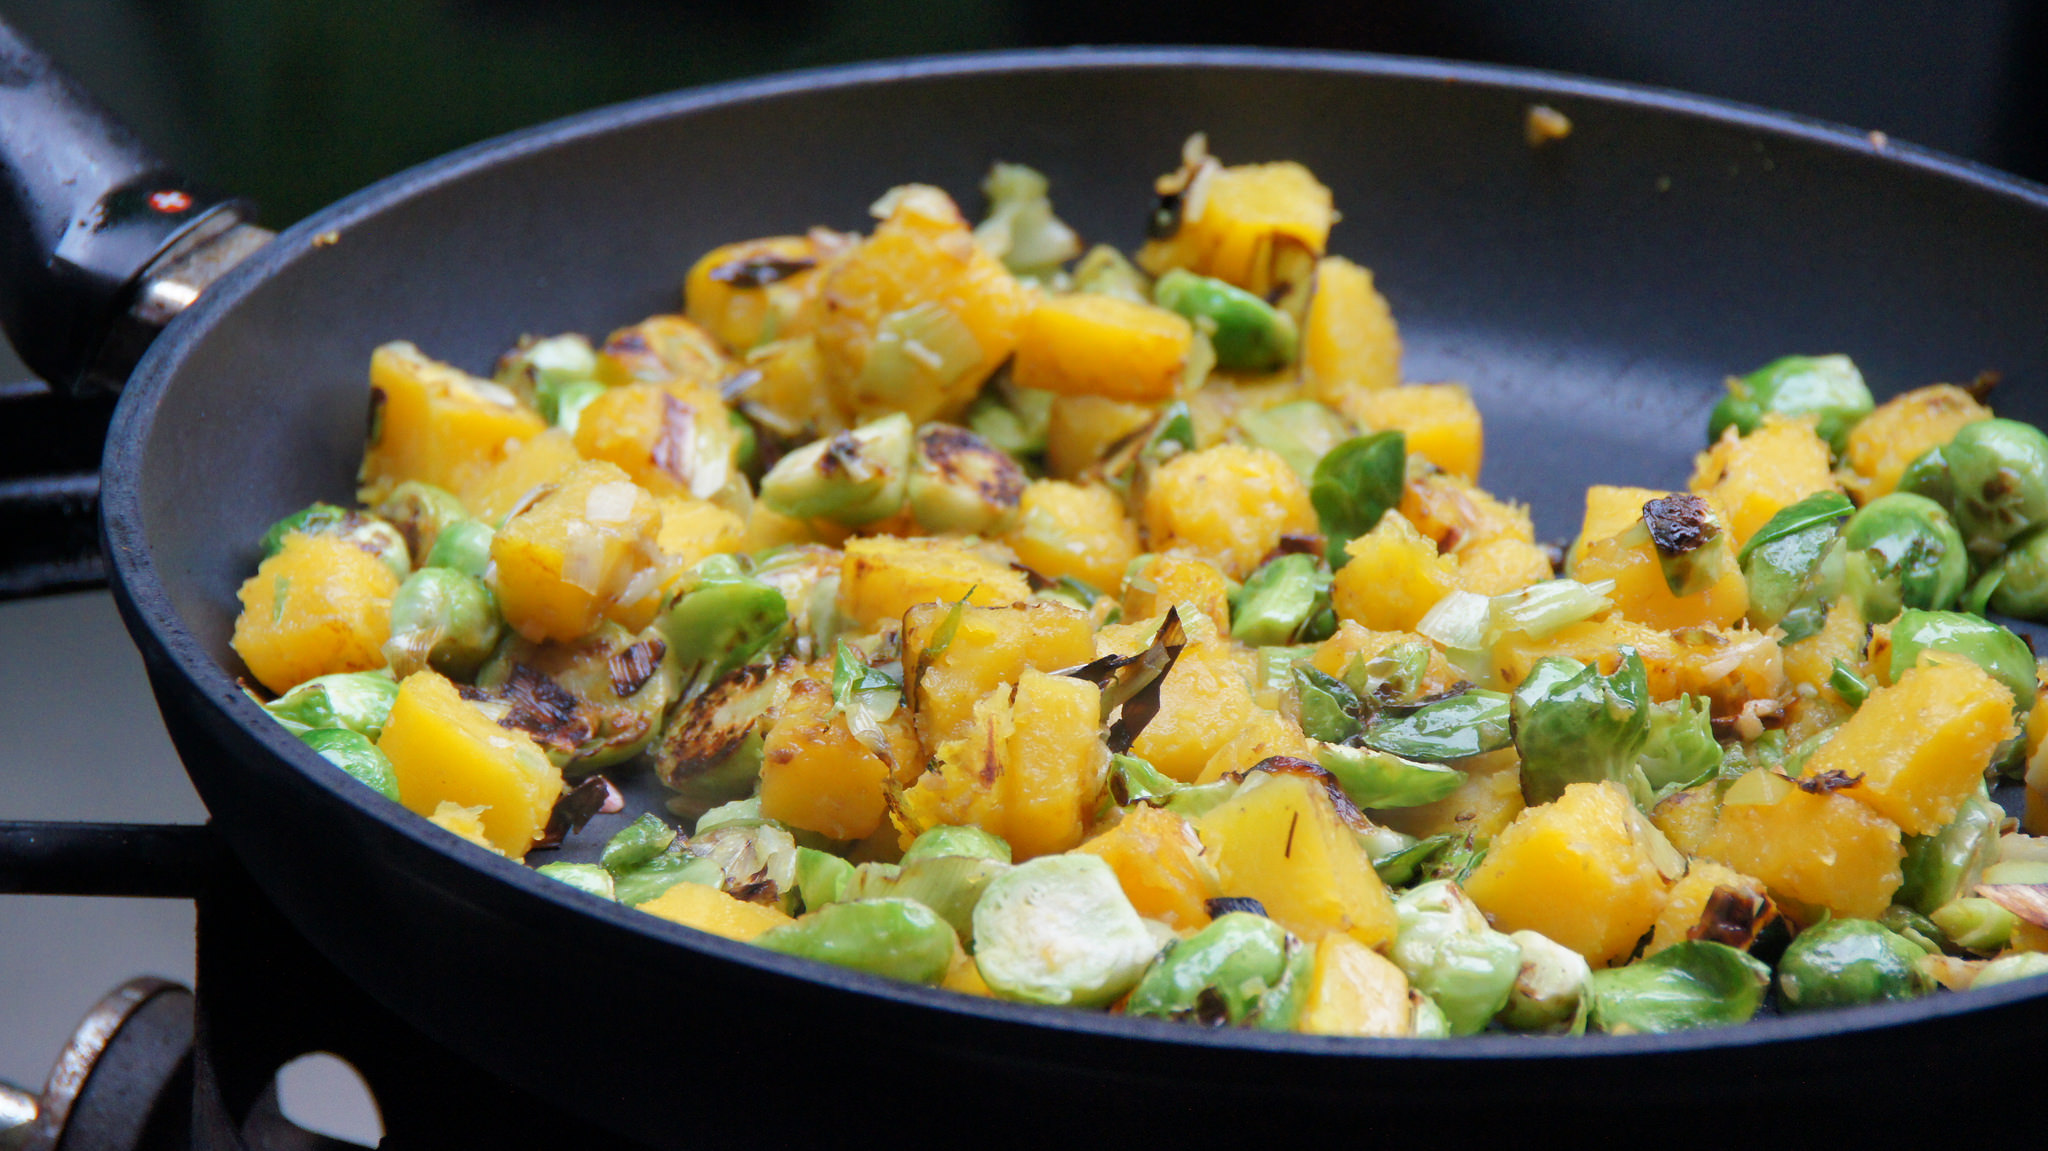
(1350,341)
(1440,421)
(991,647)
(1086,344)
(1687,818)
(1692,898)
(1280,841)
(1334,655)
(1230,503)
(435,423)
(1082,429)
(1501,565)
(1641,592)
(1586,870)
(881,577)
(815,775)
(693,529)
(754,291)
(1758,475)
(1262,735)
(1173,580)
(663,350)
(673,439)
(1259,226)
(320,605)
(444,749)
(1902,428)
(1610,510)
(571,556)
(1728,668)
(1074,530)
(1161,865)
(499,489)
(1458,514)
(1204,701)
(1392,577)
(1922,744)
(788,394)
(1356,991)
(1814,850)
(706,908)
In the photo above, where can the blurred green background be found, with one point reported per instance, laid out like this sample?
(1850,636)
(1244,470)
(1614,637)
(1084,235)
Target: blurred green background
(298,102)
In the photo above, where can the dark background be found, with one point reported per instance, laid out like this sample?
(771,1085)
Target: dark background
(298,102)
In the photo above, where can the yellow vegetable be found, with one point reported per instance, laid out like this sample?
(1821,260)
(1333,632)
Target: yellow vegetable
(1758,475)
(1392,577)
(709,909)
(1484,805)
(1174,579)
(1280,840)
(1086,344)
(1334,656)
(1230,502)
(991,647)
(673,439)
(882,577)
(663,350)
(1712,903)
(1640,589)
(748,293)
(1203,703)
(1356,991)
(1899,431)
(816,776)
(1162,866)
(320,605)
(1920,746)
(1349,342)
(505,486)
(444,749)
(1815,850)
(1440,421)
(435,423)
(1260,735)
(1077,530)
(1687,818)
(571,557)
(1259,226)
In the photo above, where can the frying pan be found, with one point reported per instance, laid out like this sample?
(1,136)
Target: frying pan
(1593,293)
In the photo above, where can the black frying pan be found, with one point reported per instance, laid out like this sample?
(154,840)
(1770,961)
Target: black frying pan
(1593,292)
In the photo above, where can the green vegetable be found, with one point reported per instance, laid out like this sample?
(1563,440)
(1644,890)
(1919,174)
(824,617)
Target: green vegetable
(420,512)
(710,747)
(961,483)
(722,620)
(636,885)
(359,701)
(1551,987)
(1359,481)
(1450,954)
(583,877)
(1853,688)
(361,529)
(1012,418)
(1132,780)
(1846,962)
(2000,472)
(561,403)
(1275,604)
(924,346)
(1394,676)
(866,696)
(1928,475)
(2003,655)
(352,752)
(1828,387)
(539,368)
(894,938)
(821,877)
(465,546)
(1242,970)
(1903,551)
(1107,272)
(1059,930)
(1020,229)
(445,620)
(951,885)
(1681,751)
(604,692)
(1946,864)
(755,862)
(1330,711)
(1249,335)
(2021,575)
(1301,433)
(1574,725)
(636,843)
(1692,984)
(961,840)
(1469,723)
(1380,779)
(2007,968)
(1976,924)
(1793,569)
(1682,527)
(1918,929)
(1399,867)
(853,477)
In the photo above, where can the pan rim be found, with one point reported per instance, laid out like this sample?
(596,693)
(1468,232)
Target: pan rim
(146,605)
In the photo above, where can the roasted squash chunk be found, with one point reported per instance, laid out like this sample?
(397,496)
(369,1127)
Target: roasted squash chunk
(662,350)
(1074,530)
(815,775)
(1814,849)
(571,557)
(990,647)
(1203,702)
(1356,991)
(1162,866)
(320,605)
(1171,580)
(1392,577)
(1230,502)
(673,439)
(707,908)
(1712,903)
(1259,226)
(1629,558)
(755,291)
(1899,432)
(1440,421)
(880,577)
(1083,429)
(1085,344)
(1349,342)
(1920,746)
(1758,475)
(505,486)
(444,749)
(435,423)
(1281,841)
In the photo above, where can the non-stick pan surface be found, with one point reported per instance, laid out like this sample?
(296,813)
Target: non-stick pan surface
(1593,292)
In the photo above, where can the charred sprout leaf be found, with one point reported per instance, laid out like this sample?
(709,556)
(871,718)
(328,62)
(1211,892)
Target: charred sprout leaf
(756,864)
(1060,930)
(723,619)
(589,702)
(1133,780)
(1380,779)
(1793,566)
(821,877)
(1828,388)
(1242,970)
(420,512)
(1357,483)
(710,748)
(951,885)
(1249,334)
(1330,712)
(1275,604)
(2003,656)
(1682,527)
(636,843)
(1223,905)
(445,620)
(1686,985)
(1681,751)
(1975,924)
(1551,991)
(893,938)
(1903,551)
(1457,862)
(739,813)
(583,877)
(1847,962)
(961,483)
(1947,864)
(852,477)
(576,807)
(865,696)
(1021,229)
(962,840)
(1450,954)
(1853,688)
(1132,682)
(352,752)
(1107,272)
(359,701)
(1301,433)
(1399,868)
(1469,723)
(1574,725)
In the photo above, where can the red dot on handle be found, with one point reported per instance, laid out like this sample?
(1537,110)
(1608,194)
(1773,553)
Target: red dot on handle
(170,201)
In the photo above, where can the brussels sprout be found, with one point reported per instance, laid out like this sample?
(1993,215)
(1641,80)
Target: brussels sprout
(589,702)
(1692,984)
(1846,962)
(1014,419)
(1429,1020)
(1827,387)
(583,877)
(442,619)
(1399,867)
(960,482)
(894,938)
(2021,578)
(1329,709)
(2007,968)
(710,749)
(352,752)
(957,840)
(722,619)
(807,576)
(1681,751)
(1241,970)
(536,364)
(739,813)
(1395,676)
(1574,725)
(1132,780)
(1021,229)
(821,877)
(1275,604)
(755,862)
(359,701)
(1999,469)
(1108,272)
(633,886)
(1903,551)
(1915,928)
(1469,723)
(1946,864)
(1359,481)
(1250,335)
(951,885)
(2003,655)
(1450,954)
(420,512)
(1060,930)
(1976,924)
(1928,476)
(372,534)
(853,477)
(464,546)
(1792,566)
(1380,779)
(1301,433)
(1551,988)
(636,843)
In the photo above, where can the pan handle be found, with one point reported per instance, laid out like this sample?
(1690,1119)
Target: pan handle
(101,243)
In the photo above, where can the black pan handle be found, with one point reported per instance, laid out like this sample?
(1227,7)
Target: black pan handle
(177,861)
(90,221)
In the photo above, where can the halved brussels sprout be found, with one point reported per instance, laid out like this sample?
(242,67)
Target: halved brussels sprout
(589,702)
(1060,930)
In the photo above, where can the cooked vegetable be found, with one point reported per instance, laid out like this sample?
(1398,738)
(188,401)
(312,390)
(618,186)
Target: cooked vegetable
(893,938)
(1059,930)
(1694,984)
(1846,962)
(1249,334)
(443,619)
(1903,551)
(355,701)
(352,752)
(1355,484)
(1449,953)
(1827,388)
(1999,472)
(1242,969)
